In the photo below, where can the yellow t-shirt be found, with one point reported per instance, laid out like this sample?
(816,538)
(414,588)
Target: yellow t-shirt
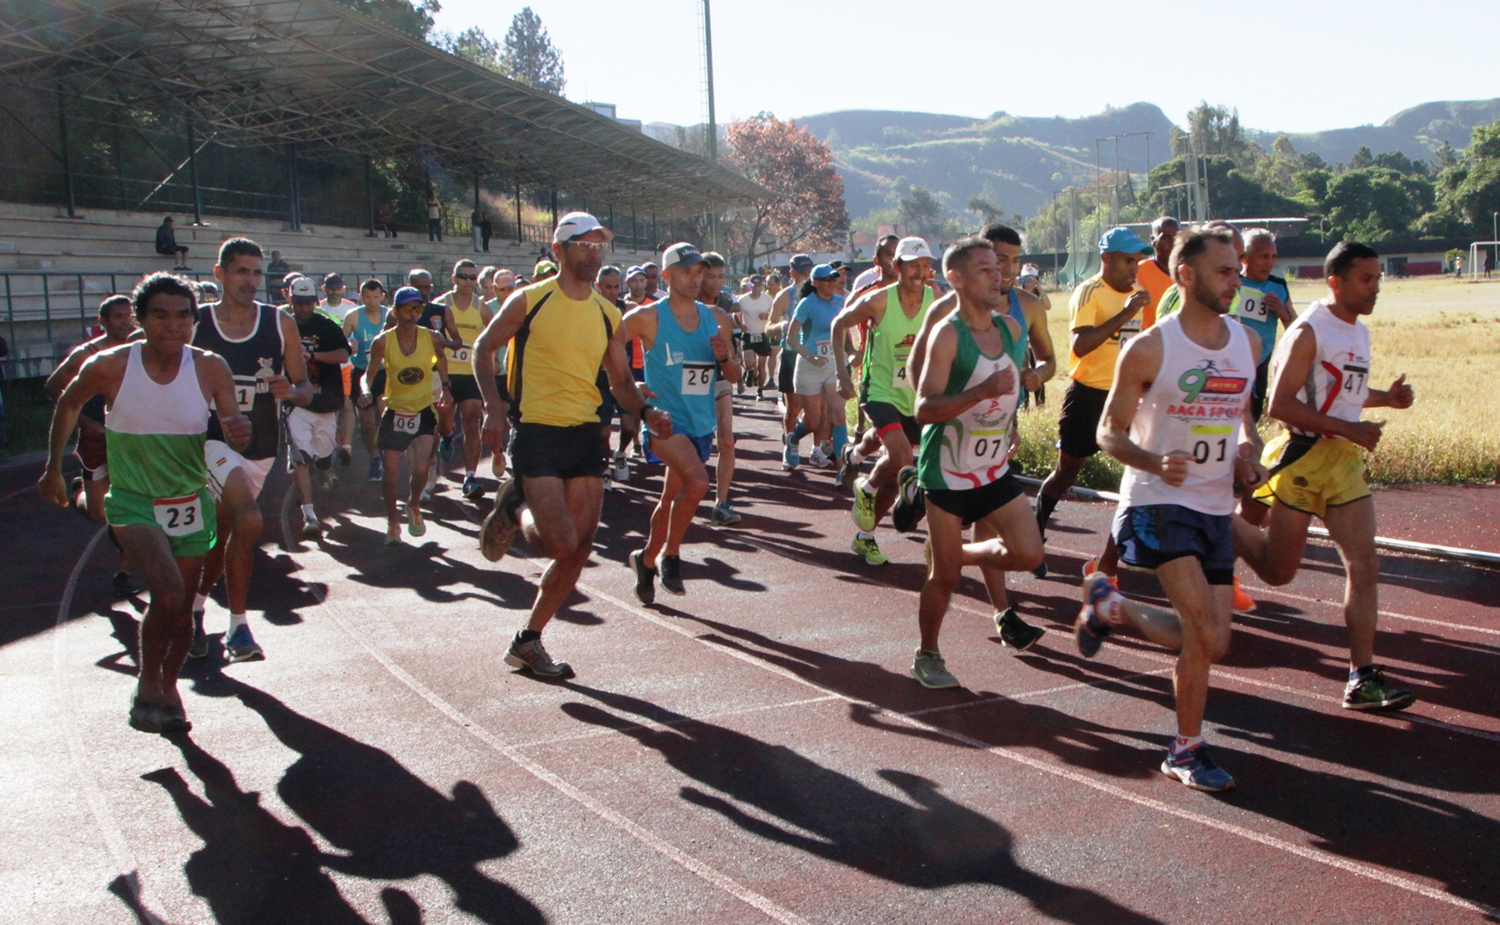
(1095,302)
(552,367)
(408,379)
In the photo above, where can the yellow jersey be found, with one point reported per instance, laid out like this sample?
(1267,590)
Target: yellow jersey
(470,324)
(552,367)
(408,382)
(1095,302)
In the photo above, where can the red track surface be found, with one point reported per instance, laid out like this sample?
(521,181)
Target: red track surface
(753,750)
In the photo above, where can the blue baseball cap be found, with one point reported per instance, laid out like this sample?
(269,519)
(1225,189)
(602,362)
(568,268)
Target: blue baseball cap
(406,294)
(824,271)
(1122,240)
(802,263)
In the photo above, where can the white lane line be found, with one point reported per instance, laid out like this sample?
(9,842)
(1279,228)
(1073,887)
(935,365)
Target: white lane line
(526,763)
(1302,851)
(684,721)
(1032,695)
(93,794)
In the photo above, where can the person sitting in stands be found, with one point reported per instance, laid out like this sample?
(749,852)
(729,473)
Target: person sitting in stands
(167,246)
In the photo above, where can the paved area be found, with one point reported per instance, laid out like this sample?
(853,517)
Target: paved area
(754,750)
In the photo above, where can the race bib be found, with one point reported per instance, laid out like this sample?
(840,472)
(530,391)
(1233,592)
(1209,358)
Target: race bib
(901,379)
(179,516)
(1130,329)
(245,388)
(463,354)
(1213,443)
(825,348)
(985,448)
(405,423)
(697,378)
(1253,307)
(757,339)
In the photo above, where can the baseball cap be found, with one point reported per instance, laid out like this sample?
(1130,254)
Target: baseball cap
(576,224)
(406,294)
(303,288)
(1123,241)
(681,254)
(543,266)
(802,263)
(1032,270)
(333,281)
(824,271)
(912,248)
(757,280)
(633,272)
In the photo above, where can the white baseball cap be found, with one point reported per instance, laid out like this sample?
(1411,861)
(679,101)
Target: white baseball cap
(577,224)
(681,254)
(304,288)
(912,248)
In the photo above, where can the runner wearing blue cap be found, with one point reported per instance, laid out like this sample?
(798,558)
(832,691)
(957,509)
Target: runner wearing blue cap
(785,361)
(814,379)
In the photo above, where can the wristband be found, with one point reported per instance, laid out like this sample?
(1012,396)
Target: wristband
(445,385)
(645,410)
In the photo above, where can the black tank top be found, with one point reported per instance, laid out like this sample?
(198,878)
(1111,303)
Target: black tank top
(250,360)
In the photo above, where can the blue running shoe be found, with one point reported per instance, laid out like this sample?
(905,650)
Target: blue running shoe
(242,647)
(1196,768)
(1099,598)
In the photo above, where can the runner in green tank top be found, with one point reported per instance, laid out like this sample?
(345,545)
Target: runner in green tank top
(893,315)
(159,393)
(966,398)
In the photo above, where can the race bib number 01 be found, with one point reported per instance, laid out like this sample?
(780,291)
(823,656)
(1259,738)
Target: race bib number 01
(406,423)
(986,448)
(179,516)
(697,378)
(825,348)
(1253,307)
(463,354)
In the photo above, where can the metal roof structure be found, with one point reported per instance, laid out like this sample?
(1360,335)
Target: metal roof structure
(314,73)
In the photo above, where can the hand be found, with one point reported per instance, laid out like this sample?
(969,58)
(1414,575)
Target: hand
(1249,473)
(1173,467)
(364,401)
(494,427)
(236,429)
(1400,393)
(1000,382)
(1138,300)
(720,345)
(50,486)
(280,386)
(1030,380)
(1273,303)
(846,387)
(1364,433)
(658,422)
(817,361)
(645,392)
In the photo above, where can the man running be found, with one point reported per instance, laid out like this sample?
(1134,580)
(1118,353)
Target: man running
(810,338)
(687,343)
(711,293)
(755,310)
(892,315)
(1103,315)
(465,315)
(560,331)
(1268,301)
(966,402)
(361,328)
(1176,417)
(883,271)
(264,353)
(311,431)
(159,391)
(1320,387)
(1153,273)
(785,360)
(411,353)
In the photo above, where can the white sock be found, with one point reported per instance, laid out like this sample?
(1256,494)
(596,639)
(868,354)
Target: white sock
(1185,743)
(865,535)
(236,620)
(307,511)
(200,603)
(468,475)
(856,457)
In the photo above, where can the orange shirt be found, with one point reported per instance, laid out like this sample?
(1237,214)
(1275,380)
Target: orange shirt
(1154,280)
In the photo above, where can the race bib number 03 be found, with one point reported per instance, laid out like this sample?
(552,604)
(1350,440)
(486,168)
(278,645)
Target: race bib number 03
(697,378)
(1254,307)
(405,423)
(179,516)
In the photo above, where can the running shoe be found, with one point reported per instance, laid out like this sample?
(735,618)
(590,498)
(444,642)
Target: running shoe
(867,548)
(346,456)
(645,579)
(145,716)
(1015,632)
(533,657)
(1092,566)
(847,467)
(1196,768)
(1371,692)
(198,648)
(241,646)
(393,535)
(76,497)
(609,482)
(671,574)
(445,447)
(863,511)
(377,469)
(415,525)
(312,529)
(472,489)
(911,501)
(174,719)
(622,469)
(818,459)
(724,515)
(1242,601)
(789,453)
(930,671)
(1100,599)
(501,524)
(1040,571)
(122,585)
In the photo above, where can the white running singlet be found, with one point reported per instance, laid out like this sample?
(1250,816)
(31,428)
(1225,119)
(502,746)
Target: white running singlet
(1339,382)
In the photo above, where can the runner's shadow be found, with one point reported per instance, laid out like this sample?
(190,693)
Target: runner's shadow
(927,841)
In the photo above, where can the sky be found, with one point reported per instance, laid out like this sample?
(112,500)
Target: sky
(1287,66)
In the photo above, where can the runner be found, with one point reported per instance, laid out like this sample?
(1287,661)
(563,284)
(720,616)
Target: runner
(159,393)
(630,425)
(893,314)
(810,338)
(966,400)
(264,354)
(1103,316)
(785,360)
(882,272)
(311,430)
(1153,273)
(1271,303)
(361,328)
(117,318)
(711,293)
(1176,417)
(755,310)
(333,304)
(687,344)
(411,353)
(609,282)
(1320,387)
(504,284)
(562,330)
(464,317)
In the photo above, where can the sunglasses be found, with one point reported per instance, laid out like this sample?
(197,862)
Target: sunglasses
(591,245)
(466,276)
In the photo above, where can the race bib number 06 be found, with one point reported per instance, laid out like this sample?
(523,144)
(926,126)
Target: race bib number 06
(179,516)
(697,378)
(405,423)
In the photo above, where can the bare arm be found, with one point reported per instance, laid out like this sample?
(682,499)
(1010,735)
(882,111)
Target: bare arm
(861,310)
(498,332)
(933,406)
(66,372)
(937,313)
(100,375)
(217,383)
(1399,395)
(639,322)
(721,342)
(1300,351)
(377,356)
(1088,339)
(1136,369)
(442,366)
(1041,342)
(292,385)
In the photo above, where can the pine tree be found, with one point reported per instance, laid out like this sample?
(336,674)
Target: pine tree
(530,56)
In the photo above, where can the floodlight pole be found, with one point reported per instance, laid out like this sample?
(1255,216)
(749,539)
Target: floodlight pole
(370,197)
(193,173)
(67,155)
(713,127)
(520,234)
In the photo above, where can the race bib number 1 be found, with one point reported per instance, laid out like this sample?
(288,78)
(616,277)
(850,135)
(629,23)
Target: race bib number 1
(179,516)
(244,392)
(405,423)
(463,354)
(697,378)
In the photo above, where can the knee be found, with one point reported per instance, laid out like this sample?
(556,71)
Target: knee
(1278,574)
(696,484)
(247,522)
(944,577)
(560,547)
(901,456)
(1030,553)
(726,443)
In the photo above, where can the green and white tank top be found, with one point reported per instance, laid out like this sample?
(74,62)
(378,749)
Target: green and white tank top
(156,432)
(886,353)
(973,449)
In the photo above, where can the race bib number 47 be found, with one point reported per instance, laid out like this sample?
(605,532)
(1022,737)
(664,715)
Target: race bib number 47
(179,516)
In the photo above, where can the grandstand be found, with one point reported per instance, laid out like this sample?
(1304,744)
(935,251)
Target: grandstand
(298,80)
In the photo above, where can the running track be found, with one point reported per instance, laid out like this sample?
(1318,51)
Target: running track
(754,751)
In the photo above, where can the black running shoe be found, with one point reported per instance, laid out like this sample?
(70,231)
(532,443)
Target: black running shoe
(911,501)
(671,575)
(1015,632)
(645,579)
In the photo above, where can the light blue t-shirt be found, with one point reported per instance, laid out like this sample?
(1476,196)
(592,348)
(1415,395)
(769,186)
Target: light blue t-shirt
(816,317)
(681,370)
(1257,318)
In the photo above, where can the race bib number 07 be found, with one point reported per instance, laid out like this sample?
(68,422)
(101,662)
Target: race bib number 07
(985,448)
(179,516)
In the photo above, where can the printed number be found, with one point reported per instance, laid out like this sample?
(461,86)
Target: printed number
(462,355)
(986,449)
(405,423)
(1354,383)
(696,380)
(901,380)
(1203,449)
(178,516)
(1254,307)
(244,392)
(825,348)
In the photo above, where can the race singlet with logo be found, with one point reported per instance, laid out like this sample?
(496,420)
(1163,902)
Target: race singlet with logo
(252,360)
(1339,382)
(973,449)
(680,369)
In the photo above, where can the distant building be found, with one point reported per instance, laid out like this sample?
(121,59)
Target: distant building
(608,110)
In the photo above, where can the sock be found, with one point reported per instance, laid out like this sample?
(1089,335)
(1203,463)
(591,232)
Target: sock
(856,457)
(840,437)
(1185,743)
(307,511)
(864,486)
(527,635)
(864,535)
(468,474)
(200,603)
(1357,675)
(799,432)
(236,620)
(1044,508)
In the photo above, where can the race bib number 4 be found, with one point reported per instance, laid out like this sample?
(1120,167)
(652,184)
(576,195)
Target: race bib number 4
(901,379)
(179,516)
(697,378)
(405,423)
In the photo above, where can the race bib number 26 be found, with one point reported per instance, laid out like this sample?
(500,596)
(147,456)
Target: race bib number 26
(697,379)
(179,516)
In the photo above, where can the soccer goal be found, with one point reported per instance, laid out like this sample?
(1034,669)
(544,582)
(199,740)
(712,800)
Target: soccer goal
(1480,251)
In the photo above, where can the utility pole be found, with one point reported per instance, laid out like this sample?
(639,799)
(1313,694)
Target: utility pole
(713,127)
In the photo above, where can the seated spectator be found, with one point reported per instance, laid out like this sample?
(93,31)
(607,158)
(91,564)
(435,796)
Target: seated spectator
(167,246)
(276,277)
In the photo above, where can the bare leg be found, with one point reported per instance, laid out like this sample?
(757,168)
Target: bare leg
(240,521)
(945,533)
(1352,528)
(559,520)
(391,488)
(470,414)
(423,449)
(724,468)
(1273,554)
(883,475)
(685,485)
(1205,615)
(303,478)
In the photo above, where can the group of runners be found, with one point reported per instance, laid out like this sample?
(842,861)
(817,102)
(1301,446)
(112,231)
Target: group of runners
(184,407)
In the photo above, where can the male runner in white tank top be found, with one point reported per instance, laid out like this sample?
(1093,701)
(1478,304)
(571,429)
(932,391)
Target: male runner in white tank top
(1177,418)
(1320,387)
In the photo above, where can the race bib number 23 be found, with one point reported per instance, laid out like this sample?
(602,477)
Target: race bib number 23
(179,516)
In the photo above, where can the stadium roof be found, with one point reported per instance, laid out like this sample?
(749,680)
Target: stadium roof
(269,72)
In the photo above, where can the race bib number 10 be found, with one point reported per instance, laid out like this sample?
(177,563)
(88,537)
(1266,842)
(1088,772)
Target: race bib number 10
(179,516)
(463,354)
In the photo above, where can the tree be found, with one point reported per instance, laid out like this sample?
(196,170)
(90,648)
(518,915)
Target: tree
(805,209)
(1216,130)
(529,55)
(413,17)
(473,45)
(986,210)
(1376,203)
(921,212)
(1361,159)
